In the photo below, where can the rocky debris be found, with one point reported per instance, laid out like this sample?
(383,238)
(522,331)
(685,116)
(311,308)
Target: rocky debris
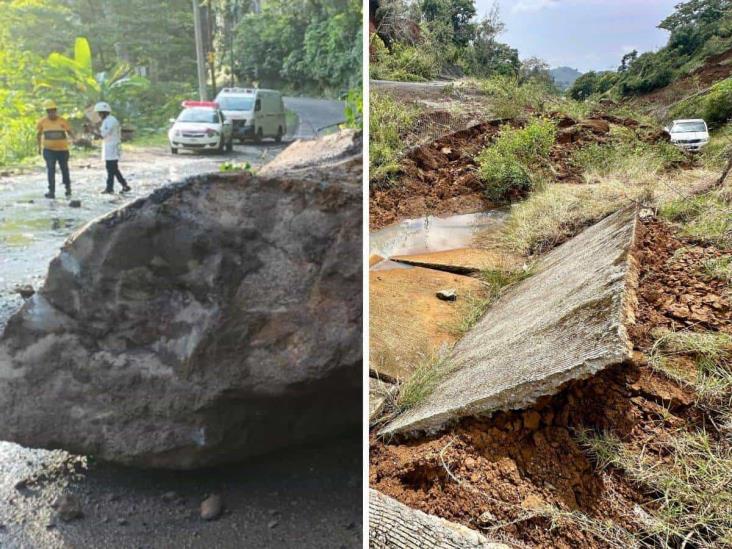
(447,295)
(221,314)
(676,294)
(75,204)
(25,291)
(68,507)
(330,151)
(519,351)
(212,507)
(438,178)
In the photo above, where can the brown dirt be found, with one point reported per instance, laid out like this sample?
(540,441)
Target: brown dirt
(513,463)
(438,178)
(407,321)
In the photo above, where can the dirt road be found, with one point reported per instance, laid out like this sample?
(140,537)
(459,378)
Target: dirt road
(308,497)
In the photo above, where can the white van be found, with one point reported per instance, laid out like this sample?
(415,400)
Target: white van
(254,113)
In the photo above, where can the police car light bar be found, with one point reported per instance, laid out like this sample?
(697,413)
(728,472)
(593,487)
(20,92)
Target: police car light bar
(211,104)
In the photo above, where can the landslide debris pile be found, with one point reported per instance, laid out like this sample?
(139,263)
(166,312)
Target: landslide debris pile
(545,476)
(217,318)
(441,177)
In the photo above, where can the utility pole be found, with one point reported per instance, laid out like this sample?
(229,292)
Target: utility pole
(200,55)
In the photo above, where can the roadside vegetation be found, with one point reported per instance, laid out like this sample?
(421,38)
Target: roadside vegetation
(416,41)
(390,120)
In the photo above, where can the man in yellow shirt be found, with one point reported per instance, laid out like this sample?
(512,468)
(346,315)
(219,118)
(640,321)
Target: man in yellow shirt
(53,139)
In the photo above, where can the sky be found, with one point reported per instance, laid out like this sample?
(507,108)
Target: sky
(583,34)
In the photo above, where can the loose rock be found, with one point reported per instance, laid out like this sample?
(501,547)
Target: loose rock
(25,291)
(68,507)
(447,295)
(212,507)
(222,313)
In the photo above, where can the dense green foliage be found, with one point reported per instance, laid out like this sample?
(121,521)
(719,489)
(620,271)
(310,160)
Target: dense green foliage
(509,167)
(698,29)
(715,106)
(309,45)
(420,40)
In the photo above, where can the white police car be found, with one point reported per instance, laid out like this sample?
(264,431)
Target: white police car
(201,125)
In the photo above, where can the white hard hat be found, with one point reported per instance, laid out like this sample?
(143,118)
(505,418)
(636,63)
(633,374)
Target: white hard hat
(102,107)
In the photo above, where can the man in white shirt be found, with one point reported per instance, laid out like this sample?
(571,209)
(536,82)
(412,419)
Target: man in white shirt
(112,143)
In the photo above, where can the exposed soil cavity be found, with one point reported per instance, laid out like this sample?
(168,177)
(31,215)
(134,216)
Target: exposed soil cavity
(438,178)
(498,474)
(434,234)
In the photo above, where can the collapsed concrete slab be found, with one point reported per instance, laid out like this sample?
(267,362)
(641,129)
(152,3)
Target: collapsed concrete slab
(215,319)
(393,525)
(565,322)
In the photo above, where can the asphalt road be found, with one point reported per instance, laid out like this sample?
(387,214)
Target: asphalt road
(304,498)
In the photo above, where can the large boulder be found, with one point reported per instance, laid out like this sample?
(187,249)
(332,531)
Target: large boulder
(217,318)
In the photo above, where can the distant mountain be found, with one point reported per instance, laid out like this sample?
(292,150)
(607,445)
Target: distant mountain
(564,77)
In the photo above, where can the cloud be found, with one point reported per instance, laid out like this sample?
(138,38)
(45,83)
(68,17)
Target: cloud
(534,5)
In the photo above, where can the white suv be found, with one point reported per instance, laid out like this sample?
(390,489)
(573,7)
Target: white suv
(690,135)
(201,125)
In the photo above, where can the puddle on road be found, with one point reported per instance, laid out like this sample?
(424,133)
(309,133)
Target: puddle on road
(432,234)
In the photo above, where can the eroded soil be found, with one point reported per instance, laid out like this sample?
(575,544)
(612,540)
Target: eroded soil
(502,474)
(441,177)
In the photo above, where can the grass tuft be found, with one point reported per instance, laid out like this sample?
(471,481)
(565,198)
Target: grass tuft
(705,218)
(429,372)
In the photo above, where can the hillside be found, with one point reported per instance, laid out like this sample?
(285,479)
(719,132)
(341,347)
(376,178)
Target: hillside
(564,77)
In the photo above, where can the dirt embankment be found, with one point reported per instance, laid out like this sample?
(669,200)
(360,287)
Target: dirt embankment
(439,178)
(500,474)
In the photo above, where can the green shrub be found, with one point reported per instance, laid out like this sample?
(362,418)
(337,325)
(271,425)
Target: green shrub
(509,168)
(403,63)
(509,99)
(626,154)
(389,122)
(715,106)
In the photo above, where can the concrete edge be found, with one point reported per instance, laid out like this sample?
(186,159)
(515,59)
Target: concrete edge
(393,525)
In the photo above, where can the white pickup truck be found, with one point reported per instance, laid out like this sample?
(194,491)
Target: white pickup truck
(690,135)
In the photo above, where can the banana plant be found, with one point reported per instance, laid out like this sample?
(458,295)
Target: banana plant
(75,76)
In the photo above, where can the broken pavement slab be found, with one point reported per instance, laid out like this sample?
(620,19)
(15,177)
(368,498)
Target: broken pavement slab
(566,322)
(407,321)
(393,525)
